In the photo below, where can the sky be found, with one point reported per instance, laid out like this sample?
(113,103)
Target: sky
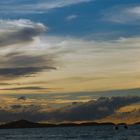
(62,58)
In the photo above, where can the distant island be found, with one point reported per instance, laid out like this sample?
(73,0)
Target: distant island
(28,124)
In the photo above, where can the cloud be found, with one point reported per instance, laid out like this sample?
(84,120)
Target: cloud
(76,79)
(5,84)
(19,64)
(26,88)
(124,15)
(134,10)
(18,46)
(88,111)
(36,7)
(19,31)
(22,71)
(92,110)
(22,98)
(72,17)
(20,59)
(96,61)
(129,114)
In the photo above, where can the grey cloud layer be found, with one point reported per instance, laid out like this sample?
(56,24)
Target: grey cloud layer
(21,71)
(91,110)
(18,64)
(27,88)
(22,59)
(15,65)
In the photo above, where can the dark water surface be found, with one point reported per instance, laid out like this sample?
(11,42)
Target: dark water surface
(72,133)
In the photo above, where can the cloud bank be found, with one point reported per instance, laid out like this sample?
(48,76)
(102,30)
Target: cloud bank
(40,111)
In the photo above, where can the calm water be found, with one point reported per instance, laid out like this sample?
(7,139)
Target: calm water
(72,133)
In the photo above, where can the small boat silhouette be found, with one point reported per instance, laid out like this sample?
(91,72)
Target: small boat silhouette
(121,126)
(116,127)
(125,126)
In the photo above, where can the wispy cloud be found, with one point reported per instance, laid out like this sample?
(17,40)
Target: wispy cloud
(72,17)
(124,15)
(36,6)
(26,88)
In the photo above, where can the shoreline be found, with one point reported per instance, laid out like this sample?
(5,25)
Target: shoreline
(28,124)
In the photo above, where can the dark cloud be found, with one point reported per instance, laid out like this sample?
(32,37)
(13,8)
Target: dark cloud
(16,106)
(22,98)
(20,34)
(89,111)
(22,71)
(92,110)
(21,59)
(21,64)
(16,112)
(26,88)
(5,84)
(26,108)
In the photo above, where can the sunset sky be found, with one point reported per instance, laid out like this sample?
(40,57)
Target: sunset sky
(64,57)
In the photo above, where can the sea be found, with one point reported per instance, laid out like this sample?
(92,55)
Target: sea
(72,133)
